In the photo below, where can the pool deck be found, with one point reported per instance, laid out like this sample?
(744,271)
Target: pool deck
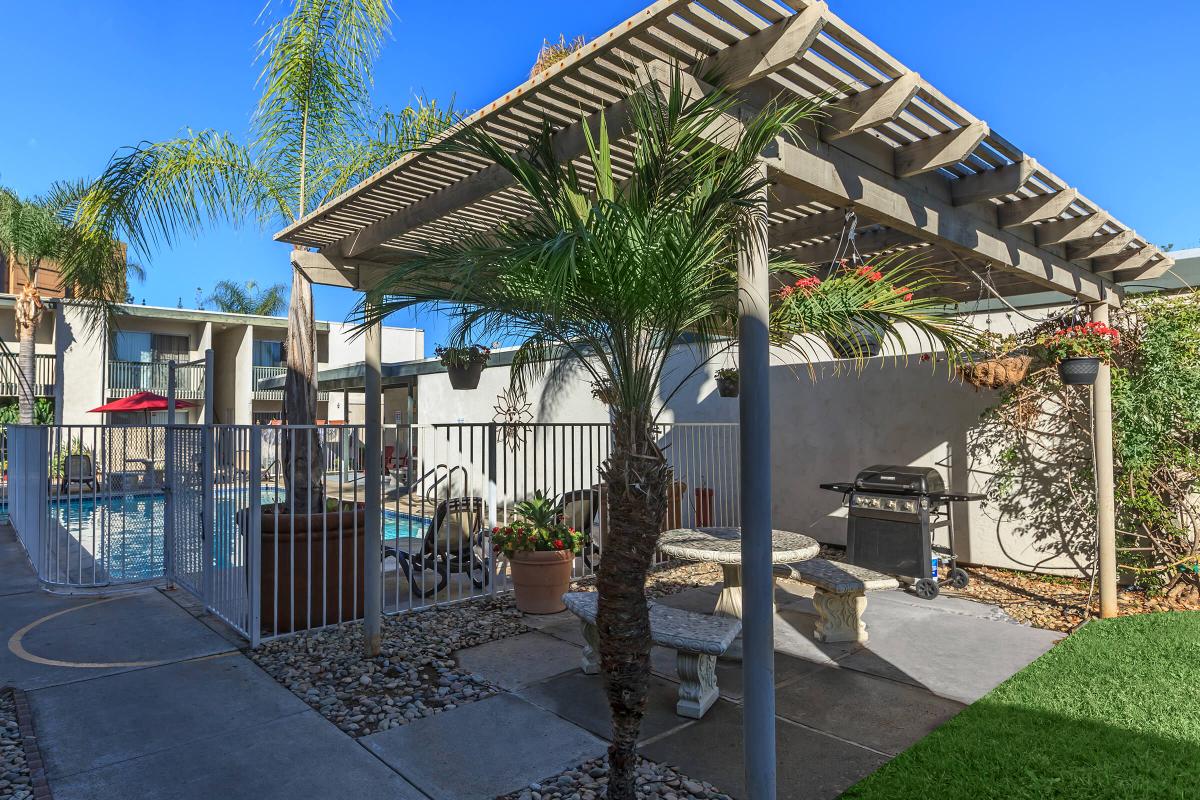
(140,695)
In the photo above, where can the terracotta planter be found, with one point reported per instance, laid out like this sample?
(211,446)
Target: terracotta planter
(1079,371)
(465,377)
(313,567)
(540,579)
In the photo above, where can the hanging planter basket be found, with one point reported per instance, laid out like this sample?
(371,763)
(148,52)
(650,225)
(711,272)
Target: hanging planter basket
(463,378)
(728,382)
(1001,372)
(1079,371)
(860,341)
(464,365)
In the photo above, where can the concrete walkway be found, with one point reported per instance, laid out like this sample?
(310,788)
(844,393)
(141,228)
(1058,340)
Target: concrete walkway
(134,696)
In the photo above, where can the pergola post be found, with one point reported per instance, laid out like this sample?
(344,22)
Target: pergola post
(758,634)
(373,546)
(1106,513)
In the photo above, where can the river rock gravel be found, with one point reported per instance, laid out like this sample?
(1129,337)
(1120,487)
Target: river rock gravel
(589,781)
(15,782)
(414,676)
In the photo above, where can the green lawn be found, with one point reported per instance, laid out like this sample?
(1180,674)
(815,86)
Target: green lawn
(1111,712)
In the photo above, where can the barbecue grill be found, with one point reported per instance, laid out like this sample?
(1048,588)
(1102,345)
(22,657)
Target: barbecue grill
(893,514)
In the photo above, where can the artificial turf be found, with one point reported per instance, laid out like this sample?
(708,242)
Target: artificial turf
(1113,711)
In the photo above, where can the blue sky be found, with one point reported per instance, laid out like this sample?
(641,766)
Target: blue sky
(1101,93)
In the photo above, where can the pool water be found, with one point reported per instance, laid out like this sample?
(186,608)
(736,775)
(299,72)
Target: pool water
(125,534)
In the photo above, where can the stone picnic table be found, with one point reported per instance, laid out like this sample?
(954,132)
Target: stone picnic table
(724,546)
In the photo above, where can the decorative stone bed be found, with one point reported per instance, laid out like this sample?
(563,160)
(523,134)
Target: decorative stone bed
(17,781)
(588,781)
(414,676)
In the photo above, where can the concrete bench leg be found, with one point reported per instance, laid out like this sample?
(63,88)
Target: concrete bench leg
(697,683)
(590,662)
(840,616)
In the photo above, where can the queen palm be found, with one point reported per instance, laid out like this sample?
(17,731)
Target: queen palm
(314,134)
(608,275)
(247,298)
(92,266)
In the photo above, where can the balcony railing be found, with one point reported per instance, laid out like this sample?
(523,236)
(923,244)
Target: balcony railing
(130,377)
(263,373)
(43,375)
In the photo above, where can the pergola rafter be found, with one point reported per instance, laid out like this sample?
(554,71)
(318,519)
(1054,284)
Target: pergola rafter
(894,148)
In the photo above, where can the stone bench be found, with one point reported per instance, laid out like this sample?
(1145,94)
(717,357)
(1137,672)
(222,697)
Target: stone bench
(840,597)
(696,638)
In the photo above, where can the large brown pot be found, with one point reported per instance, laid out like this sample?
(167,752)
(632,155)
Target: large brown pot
(540,579)
(313,567)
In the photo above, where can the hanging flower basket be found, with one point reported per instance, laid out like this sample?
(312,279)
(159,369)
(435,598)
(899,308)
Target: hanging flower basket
(464,365)
(861,340)
(1079,371)
(1080,349)
(728,382)
(1001,372)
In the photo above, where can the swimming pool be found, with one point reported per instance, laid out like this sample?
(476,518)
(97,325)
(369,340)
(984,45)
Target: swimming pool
(125,534)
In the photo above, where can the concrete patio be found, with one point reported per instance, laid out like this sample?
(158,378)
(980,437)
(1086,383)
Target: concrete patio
(135,696)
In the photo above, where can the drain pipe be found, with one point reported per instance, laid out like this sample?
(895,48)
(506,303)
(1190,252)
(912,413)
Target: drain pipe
(754,410)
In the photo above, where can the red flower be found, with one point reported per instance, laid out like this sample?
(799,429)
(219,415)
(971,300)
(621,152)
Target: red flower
(926,357)
(808,285)
(786,292)
(870,273)
(908,297)
(558,544)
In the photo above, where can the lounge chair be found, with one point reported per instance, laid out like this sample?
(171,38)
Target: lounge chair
(78,470)
(453,543)
(578,510)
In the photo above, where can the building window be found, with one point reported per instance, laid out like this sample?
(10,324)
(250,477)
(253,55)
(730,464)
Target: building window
(269,353)
(143,347)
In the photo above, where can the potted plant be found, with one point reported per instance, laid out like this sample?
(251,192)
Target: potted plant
(1002,365)
(727,382)
(464,365)
(311,570)
(1079,350)
(541,549)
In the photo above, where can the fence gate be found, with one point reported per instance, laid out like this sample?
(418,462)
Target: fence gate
(184,532)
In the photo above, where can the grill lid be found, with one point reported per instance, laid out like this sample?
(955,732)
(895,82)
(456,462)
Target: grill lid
(899,479)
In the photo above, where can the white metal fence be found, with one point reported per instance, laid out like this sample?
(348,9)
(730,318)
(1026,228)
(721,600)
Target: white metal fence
(266,524)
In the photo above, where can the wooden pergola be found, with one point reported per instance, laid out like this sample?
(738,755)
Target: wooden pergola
(920,172)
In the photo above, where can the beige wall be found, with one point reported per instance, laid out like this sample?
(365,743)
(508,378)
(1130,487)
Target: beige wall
(829,425)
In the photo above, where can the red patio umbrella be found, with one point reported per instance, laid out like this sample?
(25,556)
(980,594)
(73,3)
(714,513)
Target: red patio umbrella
(142,401)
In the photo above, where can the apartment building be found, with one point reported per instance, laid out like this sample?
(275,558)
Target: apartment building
(82,364)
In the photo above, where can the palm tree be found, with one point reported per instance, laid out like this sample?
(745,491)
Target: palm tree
(609,274)
(314,134)
(93,268)
(235,298)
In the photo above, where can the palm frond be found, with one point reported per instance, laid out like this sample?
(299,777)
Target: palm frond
(154,192)
(315,80)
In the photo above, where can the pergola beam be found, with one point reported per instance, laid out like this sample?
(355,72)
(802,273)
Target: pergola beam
(1108,244)
(762,54)
(1146,271)
(1061,231)
(871,107)
(988,184)
(939,151)
(1041,208)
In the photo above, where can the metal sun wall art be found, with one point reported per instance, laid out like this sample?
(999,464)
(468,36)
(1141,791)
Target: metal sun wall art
(514,415)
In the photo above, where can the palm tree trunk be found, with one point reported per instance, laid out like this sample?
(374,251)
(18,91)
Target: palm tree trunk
(29,314)
(302,462)
(637,478)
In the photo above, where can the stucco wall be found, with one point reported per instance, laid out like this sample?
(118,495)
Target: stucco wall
(827,426)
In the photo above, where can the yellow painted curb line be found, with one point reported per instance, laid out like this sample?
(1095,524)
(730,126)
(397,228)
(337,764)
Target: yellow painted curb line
(18,649)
